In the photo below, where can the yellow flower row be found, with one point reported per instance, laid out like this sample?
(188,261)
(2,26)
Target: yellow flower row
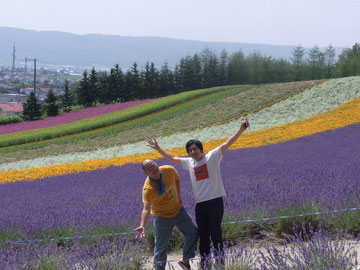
(348,113)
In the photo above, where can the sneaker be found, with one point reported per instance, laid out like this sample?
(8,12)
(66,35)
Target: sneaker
(184,266)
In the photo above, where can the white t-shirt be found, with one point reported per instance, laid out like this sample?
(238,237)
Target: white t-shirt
(205,175)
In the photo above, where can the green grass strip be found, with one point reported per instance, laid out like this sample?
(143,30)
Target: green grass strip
(103,120)
(135,123)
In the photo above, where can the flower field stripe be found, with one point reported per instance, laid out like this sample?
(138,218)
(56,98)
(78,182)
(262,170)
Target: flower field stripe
(276,115)
(104,120)
(347,114)
(109,126)
(148,119)
(315,100)
(69,117)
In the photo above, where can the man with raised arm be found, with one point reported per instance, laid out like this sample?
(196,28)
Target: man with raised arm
(161,198)
(207,187)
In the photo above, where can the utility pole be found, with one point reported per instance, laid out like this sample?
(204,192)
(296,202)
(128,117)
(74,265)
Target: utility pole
(13,63)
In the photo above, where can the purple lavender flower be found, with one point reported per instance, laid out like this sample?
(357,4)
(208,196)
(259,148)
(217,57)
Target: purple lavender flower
(321,169)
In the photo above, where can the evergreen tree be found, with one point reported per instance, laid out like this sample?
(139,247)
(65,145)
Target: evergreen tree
(93,88)
(112,86)
(85,97)
(196,71)
(150,77)
(329,58)
(166,80)
(66,98)
(268,69)
(120,84)
(254,61)
(104,92)
(134,84)
(185,74)
(238,69)
(179,87)
(282,69)
(316,62)
(52,109)
(297,59)
(210,69)
(223,68)
(32,108)
(349,62)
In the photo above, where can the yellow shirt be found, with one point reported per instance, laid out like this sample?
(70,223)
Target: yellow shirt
(168,204)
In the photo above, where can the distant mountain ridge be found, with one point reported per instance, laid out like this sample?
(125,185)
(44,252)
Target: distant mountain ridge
(60,48)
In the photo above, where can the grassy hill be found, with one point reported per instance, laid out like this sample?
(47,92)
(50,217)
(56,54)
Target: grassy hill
(207,110)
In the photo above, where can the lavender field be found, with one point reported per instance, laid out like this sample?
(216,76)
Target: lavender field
(322,170)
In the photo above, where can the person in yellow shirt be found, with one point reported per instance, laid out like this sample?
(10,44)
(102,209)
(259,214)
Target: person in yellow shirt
(161,198)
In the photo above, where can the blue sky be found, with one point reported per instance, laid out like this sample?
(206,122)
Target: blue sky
(277,22)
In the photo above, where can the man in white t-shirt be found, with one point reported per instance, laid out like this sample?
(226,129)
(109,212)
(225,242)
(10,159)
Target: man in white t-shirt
(207,187)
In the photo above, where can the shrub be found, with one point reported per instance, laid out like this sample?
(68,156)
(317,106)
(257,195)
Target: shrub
(4,120)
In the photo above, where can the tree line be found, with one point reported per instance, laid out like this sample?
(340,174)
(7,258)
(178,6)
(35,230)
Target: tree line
(201,70)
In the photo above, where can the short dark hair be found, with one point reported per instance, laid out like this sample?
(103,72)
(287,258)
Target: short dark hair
(197,143)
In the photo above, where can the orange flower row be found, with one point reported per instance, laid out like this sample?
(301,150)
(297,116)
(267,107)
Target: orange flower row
(348,113)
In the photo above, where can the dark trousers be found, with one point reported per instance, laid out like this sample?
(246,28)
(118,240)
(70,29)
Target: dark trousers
(209,216)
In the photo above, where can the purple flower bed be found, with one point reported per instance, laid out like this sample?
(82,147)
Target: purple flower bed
(322,169)
(102,254)
(69,117)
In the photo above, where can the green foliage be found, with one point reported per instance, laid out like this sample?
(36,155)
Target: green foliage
(8,235)
(297,59)
(52,109)
(85,96)
(166,80)
(66,98)
(288,226)
(133,84)
(4,120)
(32,108)
(237,231)
(50,262)
(347,221)
(349,62)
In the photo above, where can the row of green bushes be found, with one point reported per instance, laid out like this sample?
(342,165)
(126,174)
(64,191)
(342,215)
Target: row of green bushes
(104,120)
(135,123)
(4,120)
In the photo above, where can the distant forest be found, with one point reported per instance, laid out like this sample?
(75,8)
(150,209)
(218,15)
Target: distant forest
(208,70)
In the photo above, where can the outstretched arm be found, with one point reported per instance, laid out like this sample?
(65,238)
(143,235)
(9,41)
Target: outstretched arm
(225,146)
(144,219)
(154,145)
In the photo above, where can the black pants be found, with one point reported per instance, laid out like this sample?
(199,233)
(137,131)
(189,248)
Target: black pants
(209,216)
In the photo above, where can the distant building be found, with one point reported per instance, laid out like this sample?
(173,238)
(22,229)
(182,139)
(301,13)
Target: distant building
(40,92)
(10,108)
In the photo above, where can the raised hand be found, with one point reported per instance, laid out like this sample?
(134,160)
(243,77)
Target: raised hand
(245,124)
(151,142)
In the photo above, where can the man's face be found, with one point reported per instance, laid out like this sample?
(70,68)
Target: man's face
(195,152)
(152,169)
